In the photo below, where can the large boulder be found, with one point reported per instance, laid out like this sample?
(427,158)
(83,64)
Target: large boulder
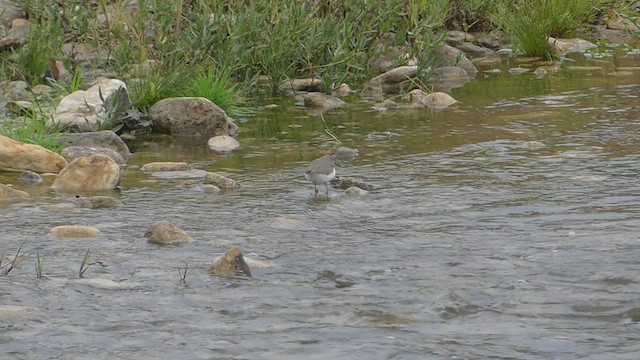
(98,139)
(8,194)
(93,172)
(18,156)
(191,118)
(97,108)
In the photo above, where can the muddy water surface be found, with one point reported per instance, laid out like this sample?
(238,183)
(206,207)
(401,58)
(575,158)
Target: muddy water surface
(505,228)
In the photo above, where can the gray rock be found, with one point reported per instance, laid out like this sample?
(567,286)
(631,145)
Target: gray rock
(435,100)
(165,166)
(19,91)
(71,153)
(320,100)
(474,50)
(83,111)
(518,71)
(344,153)
(296,85)
(345,182)
(446,78)
(30,178)
(220,181)
(195,119)
(98,139)
(540,73)
(389,82)
(8,12)
(491,41)
(455,37)
(165,233)
(223,144)
(93,172)
(98,202)
(355,191)
(567,46)
(447,56)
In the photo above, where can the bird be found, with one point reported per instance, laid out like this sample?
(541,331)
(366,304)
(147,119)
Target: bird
(321,171)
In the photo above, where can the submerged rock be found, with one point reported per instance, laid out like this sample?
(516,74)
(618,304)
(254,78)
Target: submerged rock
(93,172)
(389,82)
(231,264)
(30,178)
(165,233)
(71,153)
(345,182)
(322,101)
(220,181)
(74,232)
(15,155)
(344,153)
(223,143)
(165,166)
(98,202)
(8,194)
(355,191)
(309,84)
(435,100)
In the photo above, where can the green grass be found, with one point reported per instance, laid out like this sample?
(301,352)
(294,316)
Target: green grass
(531,22)
(33,129)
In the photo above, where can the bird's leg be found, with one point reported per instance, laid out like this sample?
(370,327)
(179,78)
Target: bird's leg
(326,186)
(316,188)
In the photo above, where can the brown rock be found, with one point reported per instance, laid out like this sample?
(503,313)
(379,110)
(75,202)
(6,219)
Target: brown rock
(220,181)
(8,194)
(17,156)
(310,84)
(74,232)
(98,139)
(165,166)
(390,81)
(231,264)
(165,233)
(192,118)
(93,172)
(71,153)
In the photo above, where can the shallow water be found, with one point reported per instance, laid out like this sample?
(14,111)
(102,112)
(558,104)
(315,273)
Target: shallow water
(505,228)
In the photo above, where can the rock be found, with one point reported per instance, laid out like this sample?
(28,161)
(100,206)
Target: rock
(220,181)
(474,50)
(20,108)
(445,78)
(387,104)
(518,71)
(18,34)
(345,182)
(355,191)
(455,37)
(389,82)
(445,56)
(98,139)
(296,85)
(9,11)
(567,46)
(618,23)
(98,202)
(165,166)
(540,73)
(196,119)
(85,52)
(74,232)
(71,153)
(135,123)
(490,41)
(93,172)
(342,90)
(15,155)
(231,264)
(320,100)
(30,178)
(435,100)
(223,143)
(18,91)
(8,194)
(165,233)
(344,153)
(44,92)
(83,111)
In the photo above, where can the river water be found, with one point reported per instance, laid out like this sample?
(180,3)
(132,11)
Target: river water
(506,227)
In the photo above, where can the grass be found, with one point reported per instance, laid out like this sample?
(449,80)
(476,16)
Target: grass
(33,129)
(6,269)
(39,265)
(532,22)
(182,272)
(84,265)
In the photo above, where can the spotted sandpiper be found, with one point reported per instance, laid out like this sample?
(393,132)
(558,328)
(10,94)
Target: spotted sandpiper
(321,171)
